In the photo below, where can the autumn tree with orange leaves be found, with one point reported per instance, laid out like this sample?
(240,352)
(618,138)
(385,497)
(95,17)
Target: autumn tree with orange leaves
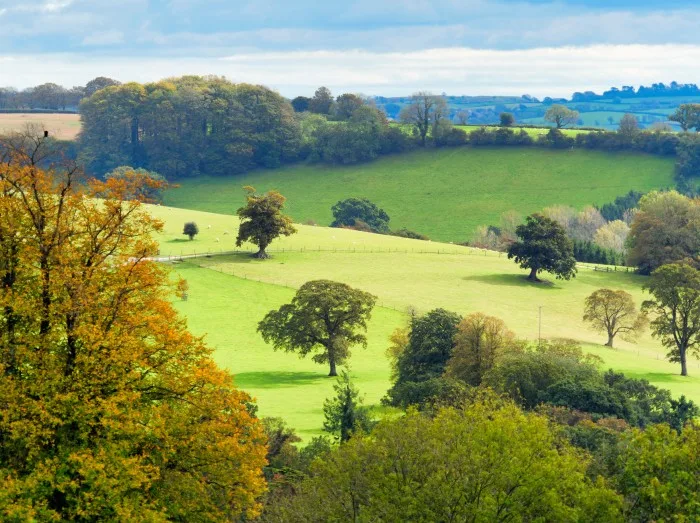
(109,408)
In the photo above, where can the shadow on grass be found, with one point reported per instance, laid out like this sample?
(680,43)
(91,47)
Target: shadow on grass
(269,380)
(179,240)
(510,280)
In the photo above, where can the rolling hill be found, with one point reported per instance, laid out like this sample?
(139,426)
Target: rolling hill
(444,194)
(229,294)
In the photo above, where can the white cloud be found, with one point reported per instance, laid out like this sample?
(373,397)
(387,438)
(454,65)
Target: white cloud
(540,72)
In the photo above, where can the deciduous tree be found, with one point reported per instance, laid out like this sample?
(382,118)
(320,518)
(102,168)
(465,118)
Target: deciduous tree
(324,318)
(687,116)
(614,312)
(191,230)
(262,220)
(676,310)
(424,112)
(561,116)
(347,212)
(111,409)
(480,342)
(543,245)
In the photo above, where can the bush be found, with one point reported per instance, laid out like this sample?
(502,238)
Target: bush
(405,233)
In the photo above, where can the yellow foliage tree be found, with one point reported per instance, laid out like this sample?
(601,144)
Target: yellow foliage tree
(111,409)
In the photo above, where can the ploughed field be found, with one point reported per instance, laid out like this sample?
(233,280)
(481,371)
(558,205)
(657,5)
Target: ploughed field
(230,293)
(62,126)
(444,194)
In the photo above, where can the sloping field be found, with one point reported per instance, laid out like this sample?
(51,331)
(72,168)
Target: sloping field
(444,194)
(229,294)
(62,126)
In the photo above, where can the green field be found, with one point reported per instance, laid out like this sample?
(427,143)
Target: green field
(444,194)
(229,294)
(535,132)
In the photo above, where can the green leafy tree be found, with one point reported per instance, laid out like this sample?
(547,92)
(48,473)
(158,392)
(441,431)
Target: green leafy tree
(322,101)
(480,342)
(301,104)
(614,312)
(191,230)
(98,83)
(687,116)
(347,212)
(262,220)
(324,317)
(676,310)
(543,246)
(658,473)
(344,413)
(486,462)
(421,363)
(346,104)
(561,116)
(666,229)
(507,119)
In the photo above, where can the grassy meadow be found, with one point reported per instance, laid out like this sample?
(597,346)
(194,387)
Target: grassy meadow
(229,294)
(62,126)
(444,194)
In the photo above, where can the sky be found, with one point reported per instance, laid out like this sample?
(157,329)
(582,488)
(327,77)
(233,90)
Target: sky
(374,47)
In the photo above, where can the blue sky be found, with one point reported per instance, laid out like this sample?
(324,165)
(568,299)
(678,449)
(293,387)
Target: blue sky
(372,46)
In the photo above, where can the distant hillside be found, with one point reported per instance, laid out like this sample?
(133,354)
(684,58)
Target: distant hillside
(444,194)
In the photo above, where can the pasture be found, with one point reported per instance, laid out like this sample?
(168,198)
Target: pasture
(229,294)
(61,126)
(444,194)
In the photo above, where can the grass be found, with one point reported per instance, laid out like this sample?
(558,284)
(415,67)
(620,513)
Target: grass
(230,294)
(444,194)
(62,126)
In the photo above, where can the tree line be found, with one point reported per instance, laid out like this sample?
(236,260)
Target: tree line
(50,96)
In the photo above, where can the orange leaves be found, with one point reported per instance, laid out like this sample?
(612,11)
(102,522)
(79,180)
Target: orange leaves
(111,409)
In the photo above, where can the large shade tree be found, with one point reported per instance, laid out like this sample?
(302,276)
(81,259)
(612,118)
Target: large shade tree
(262,220)
(675,307)
(111,410)
(543,246)
(561,116)
(614,312)
(324,318)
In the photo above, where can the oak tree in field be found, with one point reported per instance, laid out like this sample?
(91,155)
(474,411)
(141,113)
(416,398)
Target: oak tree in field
(191,230)
(561,116)
(614,312)
(687,116)
(351,210)
(262,220)
(675,309)
(424,112)
(543,246)
(325,318)
(111,410)
(480,342)
(506,119)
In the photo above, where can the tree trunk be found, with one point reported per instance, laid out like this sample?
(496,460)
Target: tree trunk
(610,340)
(533,275)
(684,363)
(261,254)
(331,360)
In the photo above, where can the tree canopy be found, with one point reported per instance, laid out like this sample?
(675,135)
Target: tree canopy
(323,315)
(675,289)
(666,229)
(561,116)
(111,409)
(351,210)
(262,220)
(424,112)
(614,312)
(484,462)
(543,246)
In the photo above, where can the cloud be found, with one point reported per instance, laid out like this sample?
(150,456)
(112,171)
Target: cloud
(548,71)
(104,38)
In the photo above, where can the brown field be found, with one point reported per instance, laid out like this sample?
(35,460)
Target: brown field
(62,126)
